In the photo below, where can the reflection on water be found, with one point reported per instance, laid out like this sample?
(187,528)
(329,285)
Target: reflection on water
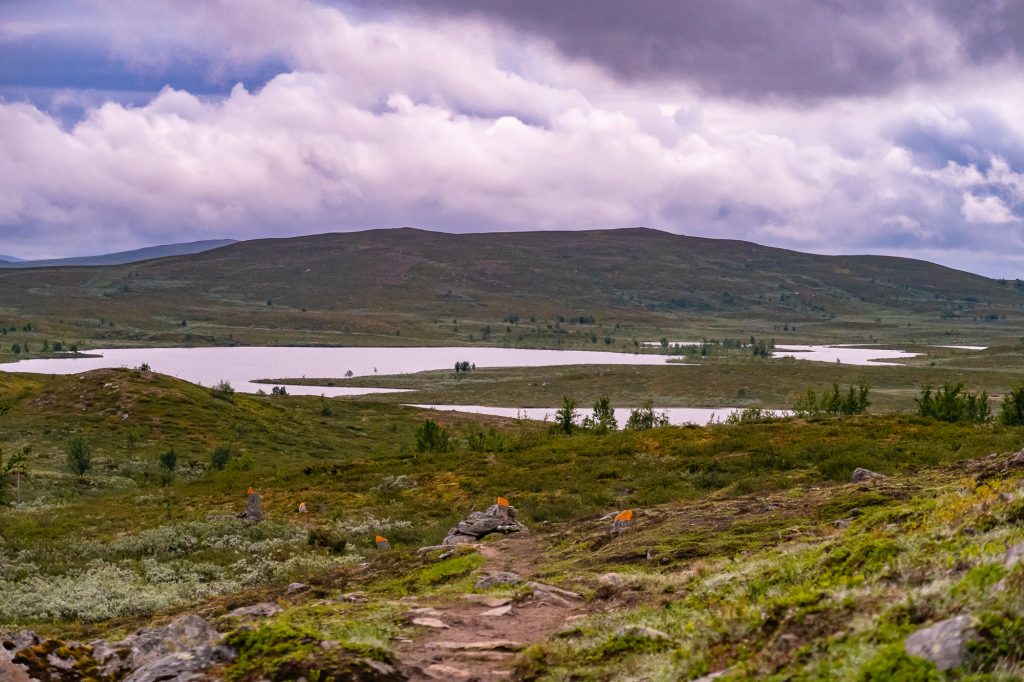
(240,365)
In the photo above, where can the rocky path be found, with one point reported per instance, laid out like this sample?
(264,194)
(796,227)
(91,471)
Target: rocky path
(477,636)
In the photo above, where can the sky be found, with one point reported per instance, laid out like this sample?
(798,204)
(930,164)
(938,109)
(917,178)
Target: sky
(836,126)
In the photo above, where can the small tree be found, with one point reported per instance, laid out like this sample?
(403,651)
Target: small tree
(220,457)
(1012,413)
(432,437)
(168,466)
(603,418)
(643,418)
(565,417)
(79,456)
(13,465)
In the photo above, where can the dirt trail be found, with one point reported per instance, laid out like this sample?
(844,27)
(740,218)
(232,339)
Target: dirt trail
(478,645)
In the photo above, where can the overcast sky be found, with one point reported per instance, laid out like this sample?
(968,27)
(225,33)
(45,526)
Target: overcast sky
(835,126)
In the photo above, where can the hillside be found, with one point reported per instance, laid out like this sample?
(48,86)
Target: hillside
(409,286)
(751,554)
(121,257)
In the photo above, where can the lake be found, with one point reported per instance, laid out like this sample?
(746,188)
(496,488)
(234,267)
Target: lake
(240,365)
(842,354)
(676,415)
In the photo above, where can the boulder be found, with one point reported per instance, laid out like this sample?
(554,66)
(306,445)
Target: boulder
(183,666)
(642,632)
(478,525)
(12,673)
(944,644)
(261,610)
(1014,554)
(861,475)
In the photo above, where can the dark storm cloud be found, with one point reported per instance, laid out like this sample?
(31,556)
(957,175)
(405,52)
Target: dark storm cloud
(747,48)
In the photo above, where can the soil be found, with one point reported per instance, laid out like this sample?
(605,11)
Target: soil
(482,647)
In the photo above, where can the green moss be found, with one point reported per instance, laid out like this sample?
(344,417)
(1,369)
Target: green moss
(892,663)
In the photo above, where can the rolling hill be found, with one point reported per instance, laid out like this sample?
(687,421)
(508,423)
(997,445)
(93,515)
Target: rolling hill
(405,286)
(120,257)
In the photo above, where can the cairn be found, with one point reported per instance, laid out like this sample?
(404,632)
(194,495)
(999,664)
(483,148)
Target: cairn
(499,518)
(252,512)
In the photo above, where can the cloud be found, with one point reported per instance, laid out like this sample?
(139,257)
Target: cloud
(458,120)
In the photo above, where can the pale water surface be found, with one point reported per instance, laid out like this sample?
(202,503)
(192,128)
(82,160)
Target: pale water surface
(240,365)
(676,415)
(842,354)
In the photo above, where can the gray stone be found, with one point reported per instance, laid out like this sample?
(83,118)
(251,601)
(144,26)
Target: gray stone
(252,512)
(296,587)
(12,673)
(147,645)
(1014,554)
(261,610)
(642,632)
(864,475)
(502,578)
(182,666)
(478,525)
(944,644)
(18,641)
(1017,459)
(498,611)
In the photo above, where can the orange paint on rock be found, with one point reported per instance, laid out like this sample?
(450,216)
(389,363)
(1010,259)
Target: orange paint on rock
(502,502)
(624,516)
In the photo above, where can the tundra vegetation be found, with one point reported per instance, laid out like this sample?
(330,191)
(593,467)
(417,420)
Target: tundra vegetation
(751,552)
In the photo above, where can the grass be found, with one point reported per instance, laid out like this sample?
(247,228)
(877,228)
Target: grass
(749,549)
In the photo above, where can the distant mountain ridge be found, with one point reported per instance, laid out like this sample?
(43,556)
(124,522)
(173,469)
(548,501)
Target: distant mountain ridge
(403,284)
(121,257)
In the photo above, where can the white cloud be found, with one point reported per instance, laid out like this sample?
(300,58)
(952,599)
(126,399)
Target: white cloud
(459,125)
(986,210)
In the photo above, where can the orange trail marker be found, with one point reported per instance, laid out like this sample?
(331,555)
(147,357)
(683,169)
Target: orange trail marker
(502,502)
(251,491)
(382,543)
(623,520)
(302,508)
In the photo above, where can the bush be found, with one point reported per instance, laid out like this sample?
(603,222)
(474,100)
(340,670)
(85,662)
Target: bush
(224,391)
(643,418)
(565,417)
(79,456)
(328,538)
(1012,413)
(852,401)
(168,465)
(431,437)
(603,418)
(953,404)
(893,663)
(279,390)
(220,457)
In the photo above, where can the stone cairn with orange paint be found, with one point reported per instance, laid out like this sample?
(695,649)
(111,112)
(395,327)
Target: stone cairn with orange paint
(622,521)
(252,512)
(499,518)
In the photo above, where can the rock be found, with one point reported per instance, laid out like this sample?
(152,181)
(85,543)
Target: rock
(1017,459)
(187,634)
(261,610)
(489,602)
(252,512)
(553,595)
(296,587)
(864,475)
(427,611)
(711,677)
(12,673)
(611,580)
(478,525)
(1014,554)
(484,645)
(502,578)
(499,611)
(436,623)
(642,632)
(182,666)
(447,672)
(944,644)
(354,597)
(19,640)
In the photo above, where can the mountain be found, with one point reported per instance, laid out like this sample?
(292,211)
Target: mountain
(120,257)
(438,287)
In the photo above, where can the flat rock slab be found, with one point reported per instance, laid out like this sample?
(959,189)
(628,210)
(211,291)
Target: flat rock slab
(263,610)
(488,601)
(483,645)
(430,623)
(499,611)
(944,644)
